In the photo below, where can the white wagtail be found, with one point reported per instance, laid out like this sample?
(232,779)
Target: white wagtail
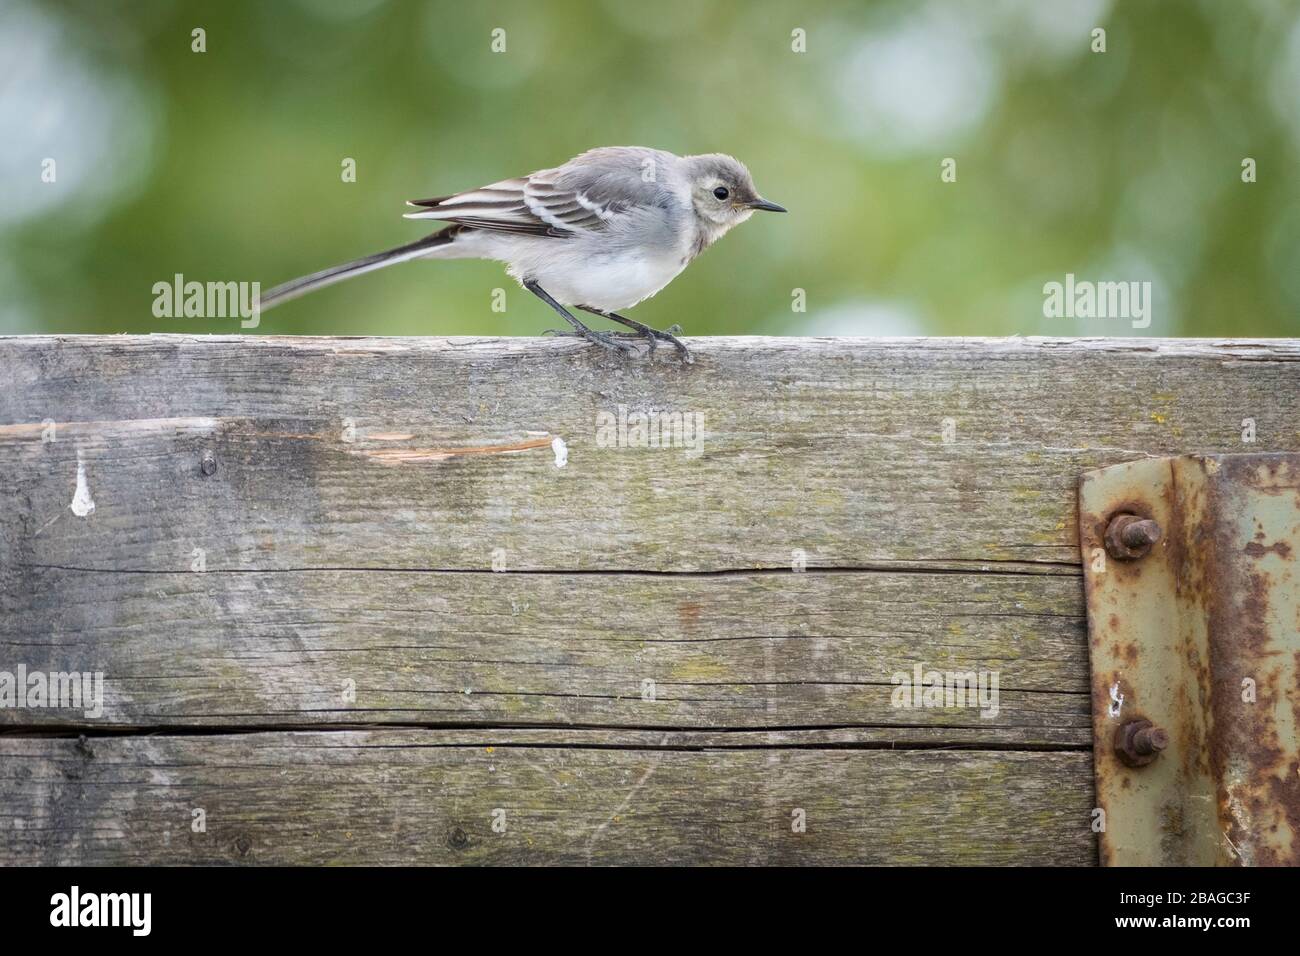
(604,231)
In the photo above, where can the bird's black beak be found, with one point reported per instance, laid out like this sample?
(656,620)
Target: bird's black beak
(769,206)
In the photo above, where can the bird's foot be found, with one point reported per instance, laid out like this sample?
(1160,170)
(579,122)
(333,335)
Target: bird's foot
(606,340)
(665,335)
(652,336)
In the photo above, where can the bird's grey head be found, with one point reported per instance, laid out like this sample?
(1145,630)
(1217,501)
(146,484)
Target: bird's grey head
(722,191)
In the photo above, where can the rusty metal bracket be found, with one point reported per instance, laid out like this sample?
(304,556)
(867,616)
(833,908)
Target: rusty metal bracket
(1193,590)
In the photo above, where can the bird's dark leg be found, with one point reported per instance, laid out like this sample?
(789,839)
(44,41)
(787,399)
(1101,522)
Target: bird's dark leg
(644,331)
(600,338)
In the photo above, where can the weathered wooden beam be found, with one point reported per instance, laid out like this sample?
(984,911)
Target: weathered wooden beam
(753,649)
(429,797)
(248,536)
(379,452)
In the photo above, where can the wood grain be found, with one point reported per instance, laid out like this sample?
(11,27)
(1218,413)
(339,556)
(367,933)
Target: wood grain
(412,797)
(383,569)
(751,649)
(835,447)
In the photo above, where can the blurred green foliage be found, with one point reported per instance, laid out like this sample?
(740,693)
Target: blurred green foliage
(226,164)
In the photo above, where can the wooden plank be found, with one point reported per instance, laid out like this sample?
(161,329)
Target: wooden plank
(835,447)
(359,493)
(774,649)
(409,797)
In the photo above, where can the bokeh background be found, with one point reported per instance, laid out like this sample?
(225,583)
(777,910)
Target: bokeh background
(226,165)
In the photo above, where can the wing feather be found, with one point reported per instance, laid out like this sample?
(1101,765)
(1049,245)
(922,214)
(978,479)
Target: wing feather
(531,205)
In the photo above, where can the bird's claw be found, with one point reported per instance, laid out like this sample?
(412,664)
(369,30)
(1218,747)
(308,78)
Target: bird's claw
(670,335)
(652,338)
(603,339)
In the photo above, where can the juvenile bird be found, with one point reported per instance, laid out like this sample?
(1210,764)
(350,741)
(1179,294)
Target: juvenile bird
(601,233)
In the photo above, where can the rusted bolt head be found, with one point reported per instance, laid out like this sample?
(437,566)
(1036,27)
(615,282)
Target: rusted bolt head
(1129,537)
(208,464)
(1150,740)
(1138,742)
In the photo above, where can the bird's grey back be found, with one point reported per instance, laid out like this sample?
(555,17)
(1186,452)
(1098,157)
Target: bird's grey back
(642,190)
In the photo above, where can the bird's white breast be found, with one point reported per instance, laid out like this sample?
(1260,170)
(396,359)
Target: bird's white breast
(608,281)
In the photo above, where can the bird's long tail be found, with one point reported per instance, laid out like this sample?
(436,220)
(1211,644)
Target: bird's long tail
(318,280)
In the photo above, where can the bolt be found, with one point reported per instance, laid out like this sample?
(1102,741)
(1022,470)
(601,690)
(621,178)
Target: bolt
(1129,537)
(1140,534)
(1150,740)
(1138,742)
(209,463)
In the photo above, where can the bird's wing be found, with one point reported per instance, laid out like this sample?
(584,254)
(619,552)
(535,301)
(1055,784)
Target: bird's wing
(570,200)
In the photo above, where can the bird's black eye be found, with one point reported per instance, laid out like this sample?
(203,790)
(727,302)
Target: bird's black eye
(721,192)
